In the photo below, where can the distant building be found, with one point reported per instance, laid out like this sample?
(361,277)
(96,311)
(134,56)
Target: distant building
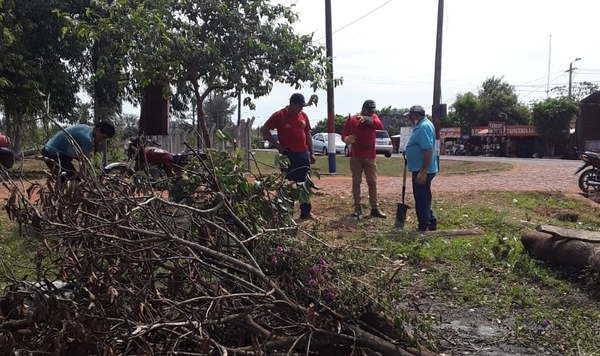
(588,124)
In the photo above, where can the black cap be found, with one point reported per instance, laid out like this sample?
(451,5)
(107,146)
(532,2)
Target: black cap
(369,104)
(106,127)
(297,99)
(416,109)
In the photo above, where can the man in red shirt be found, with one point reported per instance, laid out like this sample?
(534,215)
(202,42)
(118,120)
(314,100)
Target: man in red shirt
(359,133)
(293,130)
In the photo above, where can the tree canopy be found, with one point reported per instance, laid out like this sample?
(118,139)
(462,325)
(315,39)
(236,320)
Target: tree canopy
(552,118)
(37,62)
(197,47)
(495,101)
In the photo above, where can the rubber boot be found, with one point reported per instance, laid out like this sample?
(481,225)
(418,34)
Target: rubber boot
(305,211)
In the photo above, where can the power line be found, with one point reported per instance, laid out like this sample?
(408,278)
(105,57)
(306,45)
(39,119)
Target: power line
(356,20)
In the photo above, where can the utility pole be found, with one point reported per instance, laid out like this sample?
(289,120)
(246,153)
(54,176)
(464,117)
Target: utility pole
(437,109)
(571,69)
(549,62)
(330,102)
(239,108)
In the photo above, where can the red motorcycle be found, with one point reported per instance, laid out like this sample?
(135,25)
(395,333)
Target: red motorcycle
(589,180)
(7,155)
(145,155)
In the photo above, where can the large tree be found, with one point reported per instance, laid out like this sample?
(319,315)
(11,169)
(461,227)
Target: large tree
(499,102)
(219,109)
(321,126)
(194,48)
(465,112)
(36,65)
(552,118)
(393,119)
(496,101)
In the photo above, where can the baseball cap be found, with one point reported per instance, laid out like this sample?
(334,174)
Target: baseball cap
(369,104)
(416,109)
(297,99)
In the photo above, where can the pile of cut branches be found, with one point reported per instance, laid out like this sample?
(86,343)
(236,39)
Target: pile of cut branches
(221,269)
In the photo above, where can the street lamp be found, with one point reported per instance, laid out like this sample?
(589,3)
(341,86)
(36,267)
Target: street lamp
(571,74)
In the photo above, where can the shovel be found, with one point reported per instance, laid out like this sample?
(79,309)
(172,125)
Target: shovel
(402,208)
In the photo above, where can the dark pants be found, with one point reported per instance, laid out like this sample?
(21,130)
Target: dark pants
(297,172)
(422,195)
(60,165)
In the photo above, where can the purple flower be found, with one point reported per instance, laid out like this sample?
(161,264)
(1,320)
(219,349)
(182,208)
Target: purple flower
(279,249)
(312,283)
(545,323)
(322,261)
(274,260)
(329,296)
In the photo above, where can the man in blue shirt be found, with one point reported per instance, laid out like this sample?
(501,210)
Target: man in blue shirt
(422,161)
(61,151)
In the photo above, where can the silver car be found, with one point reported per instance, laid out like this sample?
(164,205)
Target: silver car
(383,143)
(320,143)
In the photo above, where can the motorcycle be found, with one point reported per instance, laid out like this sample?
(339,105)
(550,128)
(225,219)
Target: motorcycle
(7,155)
(145,155)
(589,180)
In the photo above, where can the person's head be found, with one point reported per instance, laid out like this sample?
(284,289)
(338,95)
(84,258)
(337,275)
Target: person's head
(103,130)
(416,113)
(296,103)
(368,108)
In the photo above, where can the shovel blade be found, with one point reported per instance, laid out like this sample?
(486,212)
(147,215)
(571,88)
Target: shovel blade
(401,210)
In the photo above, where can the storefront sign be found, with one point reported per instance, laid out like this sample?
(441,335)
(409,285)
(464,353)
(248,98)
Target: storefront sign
(496,128)
(450,132)
(520,131)
(479,131)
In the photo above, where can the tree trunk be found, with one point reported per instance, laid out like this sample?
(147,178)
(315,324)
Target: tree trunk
(202,128)
(107,103)
(14,127)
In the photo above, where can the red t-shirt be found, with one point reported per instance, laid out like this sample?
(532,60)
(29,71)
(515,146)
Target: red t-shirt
(364,146)
(292,130)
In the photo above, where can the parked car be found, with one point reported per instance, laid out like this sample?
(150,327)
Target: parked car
(267,144)
(320,143)
(383,143)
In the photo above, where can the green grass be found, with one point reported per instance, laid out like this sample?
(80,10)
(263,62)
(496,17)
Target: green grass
(16,253)
(491,273)
(391,167)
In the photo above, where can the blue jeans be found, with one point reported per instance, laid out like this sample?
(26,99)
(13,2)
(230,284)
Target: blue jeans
(297,171)
(422,195)
(299,166)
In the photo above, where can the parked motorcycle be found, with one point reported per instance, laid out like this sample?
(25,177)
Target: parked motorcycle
(7,155)
(145,155)
(589,180)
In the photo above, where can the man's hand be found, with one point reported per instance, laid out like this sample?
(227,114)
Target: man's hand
(367,120)
(312,158)
(422,176)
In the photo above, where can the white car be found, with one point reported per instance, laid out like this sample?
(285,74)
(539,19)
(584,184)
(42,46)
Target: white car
(267,144)
(383,143)
(320,144)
